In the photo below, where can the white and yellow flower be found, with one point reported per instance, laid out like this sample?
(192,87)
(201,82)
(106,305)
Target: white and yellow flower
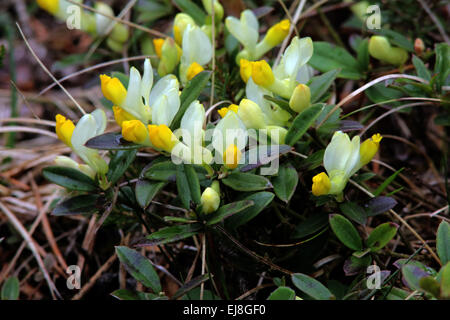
(197,52)
(341,160)
(246,31)
(191,149)
(89,126)
(229,138)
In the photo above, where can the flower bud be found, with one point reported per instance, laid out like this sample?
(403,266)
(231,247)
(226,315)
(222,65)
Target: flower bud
(321,184)
(64,129)
(419,46)
(301,98)
(218,9)
(162,137)
(251,114)
(232,156)
(262,73)
(210,200)
(114,45)
(277,33)
(277,134)
(193,70)
(381,49)
(182,20)
(169,53)
(113,89)
(368,149)
(135,131)
(119,33)
(64,161)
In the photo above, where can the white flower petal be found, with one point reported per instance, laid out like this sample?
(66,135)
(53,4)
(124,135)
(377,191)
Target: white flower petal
(337,153)
(147,81)
(192,124)
(100,120)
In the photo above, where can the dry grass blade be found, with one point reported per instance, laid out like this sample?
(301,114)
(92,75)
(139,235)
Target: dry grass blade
(30,242)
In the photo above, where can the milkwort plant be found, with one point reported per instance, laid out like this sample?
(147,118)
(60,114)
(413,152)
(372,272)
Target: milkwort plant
(246,172)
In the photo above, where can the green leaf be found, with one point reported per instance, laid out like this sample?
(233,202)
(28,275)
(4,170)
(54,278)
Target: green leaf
(69,178)
(429,284)
(263,154)
(346,232)
(353,265)
(241,181)
(353,211)
(380,205)
(379,93)
(283,104)
(387,182)
(86,203)
(188,286)
(311,225)
(227,210)
(192,9)
(282,293)
(119,164)
(139,267)
(261,200)
(412,275)
(396,39)
(313,161)
(124,294)
(445,281)
(381,235)
(146,190)
(174,233)
(362,55)
(111,141)
(190,94)
(285,182)
(311,287)
(162,171)
(188,185)
(320,84)
(329,57)
(422,70)
(302,123)
(443,242)
(442,66)
(10,289)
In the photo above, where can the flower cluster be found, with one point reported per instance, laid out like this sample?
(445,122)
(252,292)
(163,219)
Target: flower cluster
(146,111)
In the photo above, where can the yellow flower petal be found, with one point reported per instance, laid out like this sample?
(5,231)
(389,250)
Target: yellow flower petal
(223,111)
(277,33)
(193,70)
(369,148)
(321,184)
(162,137)
(262,74)
(64,129)
(51,6)
(245,69)
(158,43)
(177,35)
(113,89)
(134,131)
(232,156)
(121,115)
